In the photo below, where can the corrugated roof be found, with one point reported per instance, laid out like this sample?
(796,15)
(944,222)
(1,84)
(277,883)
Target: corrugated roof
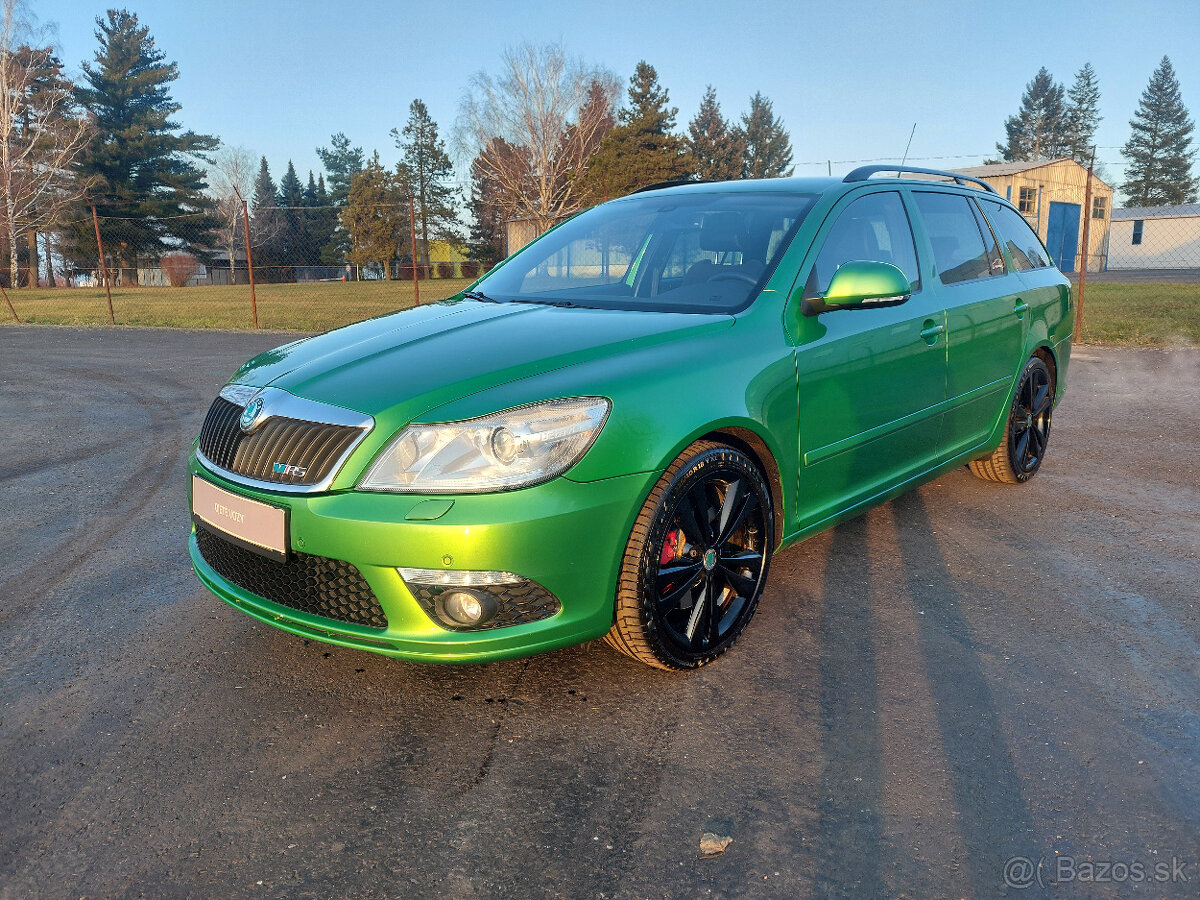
(1186,210)
(1000,170)
(1008,168)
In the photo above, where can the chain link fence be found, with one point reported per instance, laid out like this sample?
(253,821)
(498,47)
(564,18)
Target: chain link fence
(300,269)
(1155,241)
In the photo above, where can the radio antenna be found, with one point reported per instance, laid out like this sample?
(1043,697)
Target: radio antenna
(907,146)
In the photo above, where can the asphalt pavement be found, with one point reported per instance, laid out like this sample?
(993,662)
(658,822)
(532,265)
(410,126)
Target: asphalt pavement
(970,684)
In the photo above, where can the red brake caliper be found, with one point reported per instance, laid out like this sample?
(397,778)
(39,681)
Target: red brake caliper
(672,550)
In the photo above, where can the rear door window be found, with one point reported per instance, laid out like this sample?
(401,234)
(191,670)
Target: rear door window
(1023,245)
(959,251)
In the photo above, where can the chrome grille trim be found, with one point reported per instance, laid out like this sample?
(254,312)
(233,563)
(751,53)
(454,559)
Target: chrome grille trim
(288,421)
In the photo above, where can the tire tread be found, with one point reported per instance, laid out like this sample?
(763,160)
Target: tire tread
(628,634)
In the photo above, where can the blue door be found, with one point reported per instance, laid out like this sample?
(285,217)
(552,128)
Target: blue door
(1062,234)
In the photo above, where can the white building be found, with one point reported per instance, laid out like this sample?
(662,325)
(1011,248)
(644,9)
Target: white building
(1155,237)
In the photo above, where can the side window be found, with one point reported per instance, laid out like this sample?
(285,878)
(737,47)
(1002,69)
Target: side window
(958,249)
(995,257)
(873,228)
(1023,245)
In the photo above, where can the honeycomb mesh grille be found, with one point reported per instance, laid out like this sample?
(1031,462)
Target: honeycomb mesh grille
(314,447)
(516,604)
(311,584)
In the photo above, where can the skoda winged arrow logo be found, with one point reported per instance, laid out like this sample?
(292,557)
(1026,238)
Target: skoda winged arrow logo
(250,413)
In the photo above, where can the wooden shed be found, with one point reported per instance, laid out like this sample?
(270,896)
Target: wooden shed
(1050,195)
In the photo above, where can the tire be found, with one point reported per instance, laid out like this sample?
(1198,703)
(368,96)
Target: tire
(706,529)
(1027,432)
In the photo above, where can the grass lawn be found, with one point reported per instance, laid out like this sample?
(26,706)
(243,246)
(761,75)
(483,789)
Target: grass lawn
(1150,314)
(281,307)
(1139,314)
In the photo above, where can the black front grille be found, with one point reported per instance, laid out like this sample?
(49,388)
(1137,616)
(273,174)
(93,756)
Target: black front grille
(516,604)
(311,584)
(314,447)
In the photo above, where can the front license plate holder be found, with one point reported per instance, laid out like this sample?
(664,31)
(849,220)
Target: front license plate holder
(251,524)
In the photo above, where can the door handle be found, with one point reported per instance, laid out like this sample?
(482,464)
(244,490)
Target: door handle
(1021,308)
(931,331)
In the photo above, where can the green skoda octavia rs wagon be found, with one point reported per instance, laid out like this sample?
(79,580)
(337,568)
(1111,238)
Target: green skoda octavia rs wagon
(611,432)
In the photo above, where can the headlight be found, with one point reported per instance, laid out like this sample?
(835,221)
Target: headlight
(508,450)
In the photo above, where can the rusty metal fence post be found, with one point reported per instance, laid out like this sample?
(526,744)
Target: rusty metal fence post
(112,320)
(1087,222)
(10,306)
(412,231)
(249,263)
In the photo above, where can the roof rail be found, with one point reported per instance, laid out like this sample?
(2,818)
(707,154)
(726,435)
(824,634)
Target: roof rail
(666,184)
(862,173)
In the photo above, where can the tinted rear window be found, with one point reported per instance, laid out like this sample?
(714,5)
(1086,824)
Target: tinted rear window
(1023,245)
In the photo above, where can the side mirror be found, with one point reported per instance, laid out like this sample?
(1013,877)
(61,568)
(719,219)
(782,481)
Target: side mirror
(862,284)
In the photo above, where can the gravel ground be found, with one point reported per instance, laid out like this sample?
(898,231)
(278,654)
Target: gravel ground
(969,674)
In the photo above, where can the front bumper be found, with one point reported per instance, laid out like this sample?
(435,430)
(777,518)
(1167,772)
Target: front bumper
(567,536)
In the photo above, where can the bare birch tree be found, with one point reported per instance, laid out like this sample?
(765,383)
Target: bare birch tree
(232,174)
(537,109)
(42,133)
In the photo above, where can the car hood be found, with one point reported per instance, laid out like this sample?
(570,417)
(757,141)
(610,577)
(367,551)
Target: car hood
(412,361)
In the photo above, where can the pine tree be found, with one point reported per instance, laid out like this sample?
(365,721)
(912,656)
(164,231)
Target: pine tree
(582,138)
(373,217)
(641,150)
(1082,114)
(293,242)
(1159,149)
(290,192)
(490,207)
(719,151)
(1039,129)
(265,223)
(341,161)
(768,145)
(425,174)
(264,187)
(147,167)
(324,231)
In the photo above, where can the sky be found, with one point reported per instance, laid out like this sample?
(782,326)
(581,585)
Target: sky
(848,79)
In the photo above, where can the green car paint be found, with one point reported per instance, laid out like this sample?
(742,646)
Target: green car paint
(842,408)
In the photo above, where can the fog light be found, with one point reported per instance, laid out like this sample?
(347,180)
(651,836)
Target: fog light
(465,609)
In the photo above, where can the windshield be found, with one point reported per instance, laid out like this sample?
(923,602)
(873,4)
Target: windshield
(679,252)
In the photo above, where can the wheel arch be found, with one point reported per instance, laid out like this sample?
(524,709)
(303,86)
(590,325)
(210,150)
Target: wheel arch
(1045,353)
(752,444)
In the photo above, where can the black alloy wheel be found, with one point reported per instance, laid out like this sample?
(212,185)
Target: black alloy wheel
(1029,432)
(1027,429)
(700,565)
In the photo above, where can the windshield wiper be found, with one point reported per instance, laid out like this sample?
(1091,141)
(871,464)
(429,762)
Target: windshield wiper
(479,295)
(564,304)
